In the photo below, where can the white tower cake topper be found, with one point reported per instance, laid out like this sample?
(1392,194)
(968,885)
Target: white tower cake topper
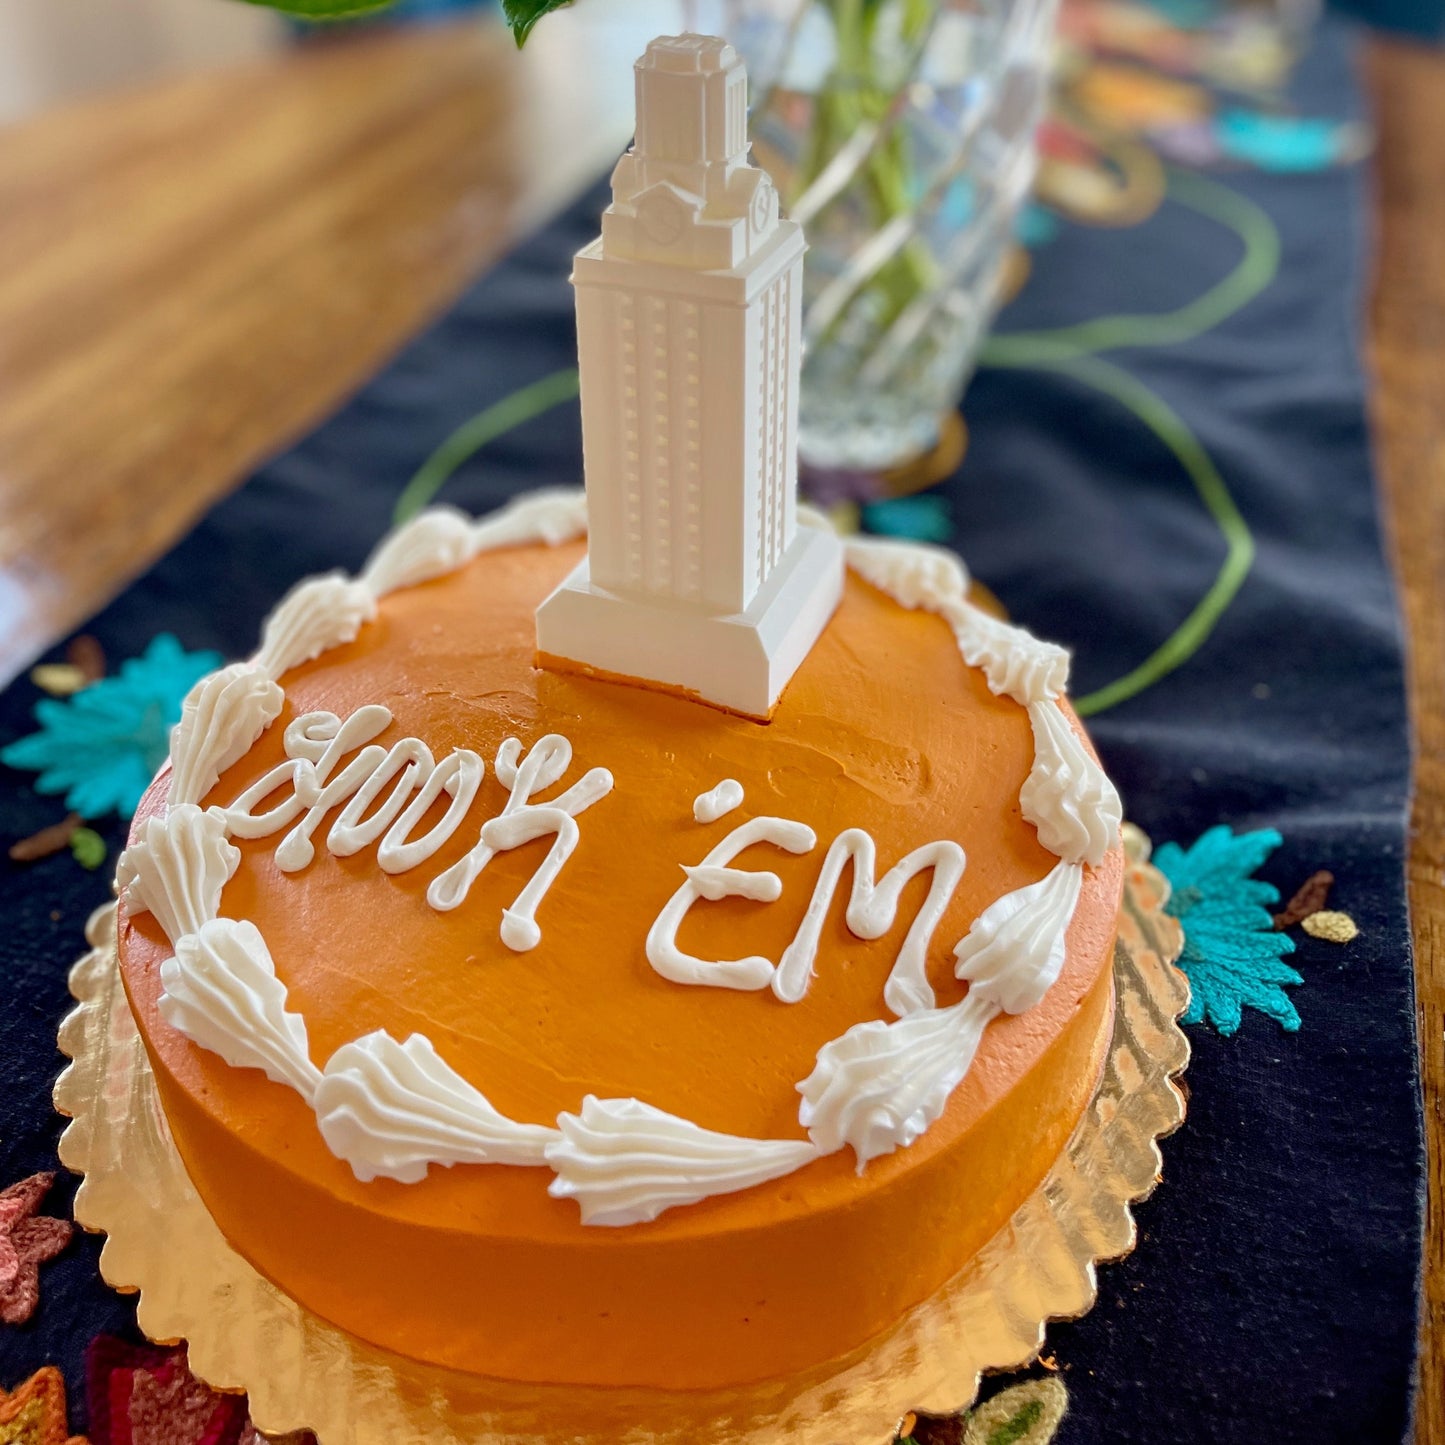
(689,335)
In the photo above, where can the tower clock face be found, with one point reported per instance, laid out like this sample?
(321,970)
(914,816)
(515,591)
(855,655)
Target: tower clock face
(762,207)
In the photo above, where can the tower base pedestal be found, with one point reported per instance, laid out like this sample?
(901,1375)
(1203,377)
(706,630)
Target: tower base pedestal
(739,661)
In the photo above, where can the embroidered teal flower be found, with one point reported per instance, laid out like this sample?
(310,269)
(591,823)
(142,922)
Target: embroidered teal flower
(1231,950)
(102,746)
(918,519)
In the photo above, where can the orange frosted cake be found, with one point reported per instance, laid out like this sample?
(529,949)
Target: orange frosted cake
(657,962)
(556,1028)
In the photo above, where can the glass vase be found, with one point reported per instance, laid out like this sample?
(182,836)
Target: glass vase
(901,133)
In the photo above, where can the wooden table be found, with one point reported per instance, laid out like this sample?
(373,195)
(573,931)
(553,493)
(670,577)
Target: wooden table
(1408,351)
(193,275)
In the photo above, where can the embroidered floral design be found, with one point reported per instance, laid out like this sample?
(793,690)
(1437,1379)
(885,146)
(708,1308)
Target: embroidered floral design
(1309,897)
(102,747)
(27,1240)
(1232,953)
(1025,1414)
(88,849)
(50,840)
(147,1395)
(35,1414)
(1307,910)
(916,519)
(1028,1413)
(1332,926)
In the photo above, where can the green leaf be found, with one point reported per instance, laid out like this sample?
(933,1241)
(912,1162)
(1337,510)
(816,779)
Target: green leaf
(1017,1426)
(522,15)
(1025,1414)
(87,847)
(324,9)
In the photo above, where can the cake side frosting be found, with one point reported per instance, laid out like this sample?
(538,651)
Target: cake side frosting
(890,1080)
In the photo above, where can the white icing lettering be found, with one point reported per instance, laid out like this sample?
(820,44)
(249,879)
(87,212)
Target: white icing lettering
(713,879)
(718,802)
(522,821)
(871,910)
(460,775)
(296,849)
(390,1109)
(353,830)
(317,742)
(318,738)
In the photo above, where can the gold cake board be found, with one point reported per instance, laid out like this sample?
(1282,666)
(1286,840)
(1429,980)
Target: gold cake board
(301,1372)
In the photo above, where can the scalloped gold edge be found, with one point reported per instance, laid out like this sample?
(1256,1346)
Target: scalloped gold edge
(302,1372)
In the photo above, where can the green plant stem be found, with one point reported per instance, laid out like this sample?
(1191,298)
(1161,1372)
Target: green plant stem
(469,438)
(1166,424)
(1071,351)
(852,95)
(1256,269)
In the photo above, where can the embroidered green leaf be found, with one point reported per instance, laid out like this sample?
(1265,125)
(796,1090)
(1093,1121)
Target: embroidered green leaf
(87,847)
(102,746)
(1232,953)
(1025,1414)
(1017,1426)
(522,15)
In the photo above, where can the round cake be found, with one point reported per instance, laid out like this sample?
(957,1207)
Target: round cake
(560,1029)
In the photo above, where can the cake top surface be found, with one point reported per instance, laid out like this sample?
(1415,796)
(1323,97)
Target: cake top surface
(885,729)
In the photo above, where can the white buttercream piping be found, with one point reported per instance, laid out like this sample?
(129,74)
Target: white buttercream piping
(221,718)
(718,802)
(913,574)
(552,515)
(177,869)
(315,616)
(1014,662)
(713,879)
(1014,951)
(625,1162)
(1067,796)
(389,1110)
(881,1085)
(431,545)
(872,907)
(221,990)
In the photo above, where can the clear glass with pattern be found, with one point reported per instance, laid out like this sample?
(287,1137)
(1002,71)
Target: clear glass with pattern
(901,134)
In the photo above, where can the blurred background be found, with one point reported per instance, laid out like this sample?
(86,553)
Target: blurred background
(51,52)
(54,52)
